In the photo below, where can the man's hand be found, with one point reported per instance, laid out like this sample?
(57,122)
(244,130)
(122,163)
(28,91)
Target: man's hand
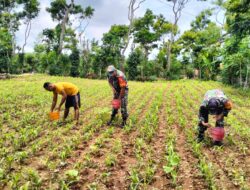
(206,124)
(58,109)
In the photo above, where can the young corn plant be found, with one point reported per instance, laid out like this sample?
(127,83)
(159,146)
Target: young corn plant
(33,179)
(207,171)
(14,181)
(110,160)
(88,162)
(93,186)
(148,173)
(135,179)
(70,178)
(173,161)
(104,177)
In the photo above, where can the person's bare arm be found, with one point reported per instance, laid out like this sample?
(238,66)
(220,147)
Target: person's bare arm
(206,124)
(54,101)
(64,96)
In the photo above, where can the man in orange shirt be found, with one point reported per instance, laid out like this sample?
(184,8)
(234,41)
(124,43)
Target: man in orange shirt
(70,94)
(118,83)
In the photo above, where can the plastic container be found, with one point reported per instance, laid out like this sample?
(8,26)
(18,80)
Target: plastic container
(217,133)
(54,116)
(116,103)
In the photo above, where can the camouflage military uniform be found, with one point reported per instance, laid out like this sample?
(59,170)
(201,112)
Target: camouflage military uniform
(204,111)
(117,83)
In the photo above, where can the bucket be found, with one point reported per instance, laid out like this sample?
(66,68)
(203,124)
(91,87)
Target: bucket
(217,133)
(54,116)
(116,103)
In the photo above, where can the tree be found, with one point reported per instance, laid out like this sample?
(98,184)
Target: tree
(201,43)
(74,58)
(12,12)
(61,12)
(31,10)
(161,57)
(75,62)
(133,6)
(50,39)
(101,57)
(236,62)
(236,49)
(144,32)
(115,41)
(10,19)
(238,17)
(202,20)
(178,6)
(135,58)
(31,62)
(5,50)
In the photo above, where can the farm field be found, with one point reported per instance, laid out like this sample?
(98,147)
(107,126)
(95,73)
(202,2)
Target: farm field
(156,150)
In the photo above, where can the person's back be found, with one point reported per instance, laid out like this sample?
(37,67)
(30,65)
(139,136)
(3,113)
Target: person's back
(215,93)
(70,96)
(69,88)
(215,103)
(119,81)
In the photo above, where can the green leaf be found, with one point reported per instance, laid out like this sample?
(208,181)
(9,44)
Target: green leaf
(168,169)
(72,173)
(1,173)
(175,160)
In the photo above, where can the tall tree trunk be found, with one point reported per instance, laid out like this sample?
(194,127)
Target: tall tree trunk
(131,12)
(26,36)
(100,74)
(13,47)
(240,76)
(200,71)
(63,27)
(8,63)
(246,80)
(169,55)
(178,5)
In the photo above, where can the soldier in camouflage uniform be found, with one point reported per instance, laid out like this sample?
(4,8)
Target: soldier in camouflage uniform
(215,103)
(118,83)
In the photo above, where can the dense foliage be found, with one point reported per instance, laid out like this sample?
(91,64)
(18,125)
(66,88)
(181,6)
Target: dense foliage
(209,50)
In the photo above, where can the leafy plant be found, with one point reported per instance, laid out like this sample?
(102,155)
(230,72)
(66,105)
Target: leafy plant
(110,160)
(173,161)
(33,178)
(135,180)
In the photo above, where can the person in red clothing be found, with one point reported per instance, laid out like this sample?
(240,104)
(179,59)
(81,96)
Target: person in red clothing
(119,85)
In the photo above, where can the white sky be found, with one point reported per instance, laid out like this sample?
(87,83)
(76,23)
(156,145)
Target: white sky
(110,12)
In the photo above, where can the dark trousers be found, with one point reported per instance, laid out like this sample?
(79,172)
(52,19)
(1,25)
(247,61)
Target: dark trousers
(124,103)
